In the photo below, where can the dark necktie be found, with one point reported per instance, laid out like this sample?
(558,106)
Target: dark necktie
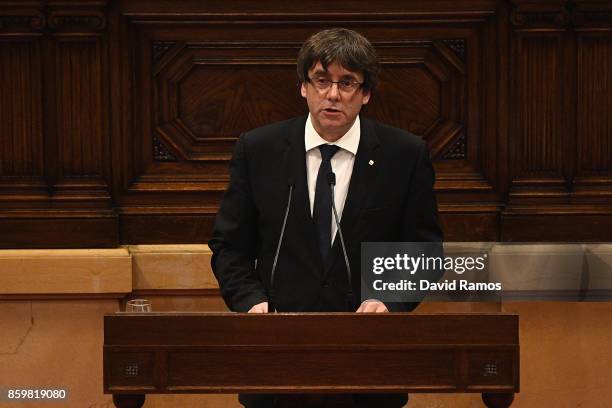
(322,208)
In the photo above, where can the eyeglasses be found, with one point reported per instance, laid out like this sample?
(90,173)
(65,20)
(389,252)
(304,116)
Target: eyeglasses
(344,85)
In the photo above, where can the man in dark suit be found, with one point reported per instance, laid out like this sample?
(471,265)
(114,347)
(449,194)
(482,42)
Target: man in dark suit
(383,192)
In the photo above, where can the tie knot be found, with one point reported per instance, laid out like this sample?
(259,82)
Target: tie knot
(328,151)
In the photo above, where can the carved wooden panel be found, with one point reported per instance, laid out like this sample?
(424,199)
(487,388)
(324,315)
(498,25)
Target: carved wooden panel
(595,107)
(593,175)
(538,139)
(206,94)
(197,86)
(80,127)
(120,117)
(22,144)
(21,141)
(561,159)
(422,89)
(539,121)
(54,145)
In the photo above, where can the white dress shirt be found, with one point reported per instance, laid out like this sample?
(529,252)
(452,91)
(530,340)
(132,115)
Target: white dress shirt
(342,164)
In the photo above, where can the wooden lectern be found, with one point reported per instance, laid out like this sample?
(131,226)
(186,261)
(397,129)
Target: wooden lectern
(159,353)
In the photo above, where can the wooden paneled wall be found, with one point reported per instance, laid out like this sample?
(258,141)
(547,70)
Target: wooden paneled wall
(117,118)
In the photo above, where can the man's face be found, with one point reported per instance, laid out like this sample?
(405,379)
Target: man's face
(333,111)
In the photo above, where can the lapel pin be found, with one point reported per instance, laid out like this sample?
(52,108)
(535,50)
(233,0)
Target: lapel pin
(371,162)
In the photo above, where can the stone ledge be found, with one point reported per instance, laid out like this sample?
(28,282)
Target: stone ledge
(116,272)
(65,271)
(172,267)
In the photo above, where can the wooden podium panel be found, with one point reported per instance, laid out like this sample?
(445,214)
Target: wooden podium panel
(311,353)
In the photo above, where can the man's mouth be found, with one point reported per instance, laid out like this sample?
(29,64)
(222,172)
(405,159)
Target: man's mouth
(332,110)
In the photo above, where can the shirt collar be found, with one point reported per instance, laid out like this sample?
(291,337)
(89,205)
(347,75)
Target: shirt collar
(349,141)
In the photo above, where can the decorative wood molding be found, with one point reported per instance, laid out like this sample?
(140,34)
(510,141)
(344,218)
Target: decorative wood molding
(582,18)
(59,20)
(17,20)
(160,152)
(159,48)
(59,226)
(458,45)
(458,149)
(540,18)
(87,21)
(561,14)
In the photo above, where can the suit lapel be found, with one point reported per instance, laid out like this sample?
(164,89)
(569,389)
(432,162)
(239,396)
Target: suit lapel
(295,168)
(360,190)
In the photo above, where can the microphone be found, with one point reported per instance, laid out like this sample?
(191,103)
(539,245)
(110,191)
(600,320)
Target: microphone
(271,305)
(331,180)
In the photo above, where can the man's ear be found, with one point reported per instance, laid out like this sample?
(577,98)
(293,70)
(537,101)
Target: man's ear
(366,98)
(303,89)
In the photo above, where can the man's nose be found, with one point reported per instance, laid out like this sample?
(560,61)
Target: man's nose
(333,93)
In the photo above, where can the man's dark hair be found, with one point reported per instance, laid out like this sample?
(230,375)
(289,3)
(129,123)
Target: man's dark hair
(348,48)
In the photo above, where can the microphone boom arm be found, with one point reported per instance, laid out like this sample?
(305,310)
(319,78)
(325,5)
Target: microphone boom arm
(271,305)
(331,179)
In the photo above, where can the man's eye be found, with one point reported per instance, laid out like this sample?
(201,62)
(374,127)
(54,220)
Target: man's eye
(346,83)
(322,81)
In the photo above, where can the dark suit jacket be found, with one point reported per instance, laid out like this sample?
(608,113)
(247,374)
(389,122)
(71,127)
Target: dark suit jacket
(391,200)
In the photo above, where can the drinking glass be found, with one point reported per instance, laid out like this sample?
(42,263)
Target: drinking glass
(138,306)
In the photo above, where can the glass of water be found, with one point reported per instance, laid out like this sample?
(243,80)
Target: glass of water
(138,306)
